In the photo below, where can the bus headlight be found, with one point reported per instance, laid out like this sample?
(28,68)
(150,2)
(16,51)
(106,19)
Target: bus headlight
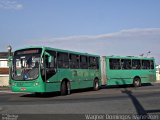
(36,84)
(13,84)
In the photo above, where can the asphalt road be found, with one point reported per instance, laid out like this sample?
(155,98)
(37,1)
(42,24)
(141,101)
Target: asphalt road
(123,100)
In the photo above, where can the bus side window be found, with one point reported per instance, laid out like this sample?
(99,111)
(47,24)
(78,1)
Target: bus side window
(136,64)
(52,59)
(114,64)
(62,60)
(145,64)
(74,61)
(83,62)
(97,62)
(126,63)
(92,63)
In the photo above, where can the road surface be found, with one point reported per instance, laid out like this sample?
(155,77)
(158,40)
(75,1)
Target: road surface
(124,100)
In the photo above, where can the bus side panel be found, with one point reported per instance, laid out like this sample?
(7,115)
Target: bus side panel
(148,76)
(75,78)
(118,77)
(71,75)
(50,87)
(85,79)
(78,79)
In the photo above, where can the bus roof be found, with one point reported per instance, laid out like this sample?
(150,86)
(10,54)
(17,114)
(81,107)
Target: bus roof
(59,50)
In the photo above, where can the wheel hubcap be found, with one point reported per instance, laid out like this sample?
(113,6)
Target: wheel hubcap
(96,85)
(137,82)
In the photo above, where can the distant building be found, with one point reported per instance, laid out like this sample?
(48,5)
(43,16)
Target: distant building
(158,72)
(4,69)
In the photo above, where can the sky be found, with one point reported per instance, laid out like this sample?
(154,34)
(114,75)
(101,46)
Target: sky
(102,27)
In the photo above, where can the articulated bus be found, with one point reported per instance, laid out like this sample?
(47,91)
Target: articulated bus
(118,70)
(44,69)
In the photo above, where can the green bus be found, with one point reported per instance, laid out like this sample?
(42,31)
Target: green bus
(118,70)
(44,69)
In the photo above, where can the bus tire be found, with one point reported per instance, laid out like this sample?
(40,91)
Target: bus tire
(137,82)
(65,88)
(96,85)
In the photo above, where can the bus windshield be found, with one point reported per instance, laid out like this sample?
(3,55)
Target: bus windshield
(26,64)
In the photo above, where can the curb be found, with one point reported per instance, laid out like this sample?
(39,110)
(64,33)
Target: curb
(4,88)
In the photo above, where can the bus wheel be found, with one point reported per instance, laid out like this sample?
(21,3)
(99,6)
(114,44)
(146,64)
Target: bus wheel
(96,85)
(65,88)
(137,82)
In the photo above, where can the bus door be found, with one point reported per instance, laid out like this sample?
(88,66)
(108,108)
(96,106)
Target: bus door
(49,71)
